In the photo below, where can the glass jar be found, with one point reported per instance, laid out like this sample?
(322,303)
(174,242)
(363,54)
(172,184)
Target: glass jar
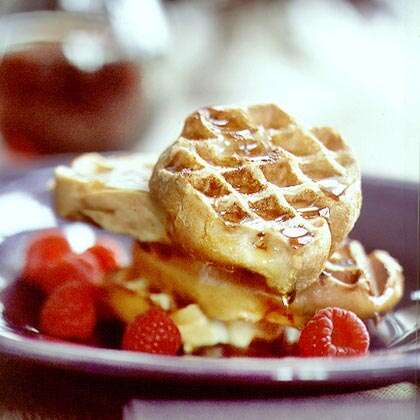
(68,83)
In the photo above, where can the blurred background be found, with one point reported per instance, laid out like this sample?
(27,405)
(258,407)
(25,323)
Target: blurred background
(82,75)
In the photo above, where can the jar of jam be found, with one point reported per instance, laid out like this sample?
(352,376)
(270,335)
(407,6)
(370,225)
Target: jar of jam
(67,84)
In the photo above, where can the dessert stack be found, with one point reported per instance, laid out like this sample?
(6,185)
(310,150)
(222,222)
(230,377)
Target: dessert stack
(241,229)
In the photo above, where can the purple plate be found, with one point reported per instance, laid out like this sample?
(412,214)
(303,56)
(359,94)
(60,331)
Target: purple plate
(389,221)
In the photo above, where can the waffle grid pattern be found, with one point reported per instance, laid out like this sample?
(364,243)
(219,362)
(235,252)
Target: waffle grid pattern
(367,284)
(352,266)
(342,265)
(256,166)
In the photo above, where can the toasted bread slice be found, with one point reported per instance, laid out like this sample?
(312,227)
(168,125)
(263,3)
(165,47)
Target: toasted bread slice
(112,192)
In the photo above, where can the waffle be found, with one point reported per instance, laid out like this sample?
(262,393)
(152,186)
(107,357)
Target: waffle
(248,187)
(351,279)
(365,284)
(112,192)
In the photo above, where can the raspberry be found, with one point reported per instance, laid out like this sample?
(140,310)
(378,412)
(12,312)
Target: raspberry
(152,332)
(71,267)
(69,312)
(44,249)
(334,332)
(106,253)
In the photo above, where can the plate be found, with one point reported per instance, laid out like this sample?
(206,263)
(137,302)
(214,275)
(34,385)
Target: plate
(388,220)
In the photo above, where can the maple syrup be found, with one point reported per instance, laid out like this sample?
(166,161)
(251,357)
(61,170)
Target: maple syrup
(323,277)
(325,212)
(333,187)
(298,236)
(309,212)
(50,105)
(218,123)
(313,211)
(260,242)
(287,299)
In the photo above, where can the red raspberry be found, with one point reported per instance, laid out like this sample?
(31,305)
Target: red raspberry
(71,267)
(152,332)
(44,249)
(334,332)
(69,312)
(106,253)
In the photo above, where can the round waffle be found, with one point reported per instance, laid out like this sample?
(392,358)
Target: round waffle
(352,280)
(249,187)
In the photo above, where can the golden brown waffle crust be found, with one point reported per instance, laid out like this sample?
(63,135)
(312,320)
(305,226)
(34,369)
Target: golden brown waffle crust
(112,192)
(364,284)
(249,187)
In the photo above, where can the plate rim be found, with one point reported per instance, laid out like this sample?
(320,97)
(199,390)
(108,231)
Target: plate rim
(282,370)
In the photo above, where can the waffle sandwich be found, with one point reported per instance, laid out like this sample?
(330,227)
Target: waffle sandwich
(250,187)
(241,227)
(364,284)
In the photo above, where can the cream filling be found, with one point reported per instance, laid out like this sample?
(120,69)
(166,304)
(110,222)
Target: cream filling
(197,330)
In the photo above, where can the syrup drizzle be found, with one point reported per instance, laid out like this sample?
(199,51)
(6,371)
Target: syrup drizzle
(323,277)
(333,187)
(242,135)
(289,298)
(325,212)
(260,242)
(219,123)
(298,236)
(309,212)
(314,211)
